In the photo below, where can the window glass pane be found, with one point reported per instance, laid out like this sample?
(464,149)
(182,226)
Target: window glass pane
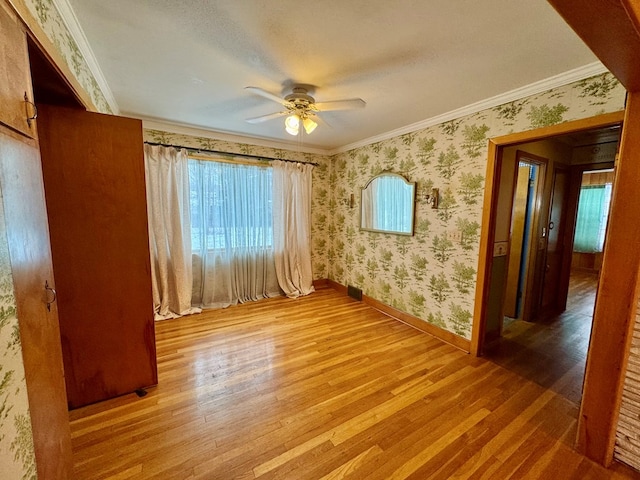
(230,206)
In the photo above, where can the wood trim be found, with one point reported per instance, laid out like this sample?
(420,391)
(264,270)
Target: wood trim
(425,327)
(40,38)
(604,120)
(619,52)
(485,259)
(616,302)
(632,8)
(337,286)
(321,283)
(415,322)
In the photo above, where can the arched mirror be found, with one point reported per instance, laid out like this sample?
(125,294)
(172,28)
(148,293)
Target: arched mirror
(387,204)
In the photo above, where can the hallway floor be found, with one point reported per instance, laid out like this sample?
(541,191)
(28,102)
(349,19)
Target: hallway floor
(552,351)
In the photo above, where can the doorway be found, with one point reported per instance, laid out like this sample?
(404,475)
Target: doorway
(547,300)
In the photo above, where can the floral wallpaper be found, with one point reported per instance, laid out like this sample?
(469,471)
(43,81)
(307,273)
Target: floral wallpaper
(432,274)
(17,455)
(48,17)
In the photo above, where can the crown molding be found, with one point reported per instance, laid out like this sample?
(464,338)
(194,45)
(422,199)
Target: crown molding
(560,80)
(151,123)
(75,30)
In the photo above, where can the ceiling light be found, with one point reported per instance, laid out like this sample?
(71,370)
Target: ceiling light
(292,124)
(309,125)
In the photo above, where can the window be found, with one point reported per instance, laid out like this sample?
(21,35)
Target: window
(591,222)
(230,206)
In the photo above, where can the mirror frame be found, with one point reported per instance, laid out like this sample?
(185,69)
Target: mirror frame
(387,173)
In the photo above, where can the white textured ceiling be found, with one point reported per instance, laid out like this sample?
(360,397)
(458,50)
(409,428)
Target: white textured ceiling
(187,62)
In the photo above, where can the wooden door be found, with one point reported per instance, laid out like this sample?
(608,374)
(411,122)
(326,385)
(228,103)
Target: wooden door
(554,298)
(94,182)
(533,265)
(518,242)
(28,239)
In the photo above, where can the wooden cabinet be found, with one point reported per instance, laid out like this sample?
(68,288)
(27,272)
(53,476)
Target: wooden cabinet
(15,78)
(22,195)
(93,168)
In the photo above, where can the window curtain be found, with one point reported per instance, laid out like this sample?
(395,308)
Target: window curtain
(591,222)
(232,233)
(292,227)
(167,181)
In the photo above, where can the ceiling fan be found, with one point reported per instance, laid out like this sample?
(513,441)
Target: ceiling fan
(300,107)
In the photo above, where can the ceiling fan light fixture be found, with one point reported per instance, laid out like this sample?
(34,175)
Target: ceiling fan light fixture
(301,108)
(309,125)
(292,124)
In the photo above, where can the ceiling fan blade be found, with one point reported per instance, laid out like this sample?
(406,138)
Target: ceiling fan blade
(264,118)
(346,104)
(265,94)
(320,119)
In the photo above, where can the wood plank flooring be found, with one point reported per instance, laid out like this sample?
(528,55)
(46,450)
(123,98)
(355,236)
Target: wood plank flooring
(552,347)
(325,387)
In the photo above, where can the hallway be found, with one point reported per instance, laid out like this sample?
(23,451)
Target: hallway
(552,351)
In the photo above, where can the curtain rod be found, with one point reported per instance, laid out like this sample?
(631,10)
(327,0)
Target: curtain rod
(219,152)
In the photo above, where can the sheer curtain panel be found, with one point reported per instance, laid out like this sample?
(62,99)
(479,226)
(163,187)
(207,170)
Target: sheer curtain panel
(232,233)
(167,179)
(591,220)
(292,226)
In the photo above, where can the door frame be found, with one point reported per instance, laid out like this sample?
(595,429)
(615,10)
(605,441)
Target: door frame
(492,185)
(528,306)
(603,348)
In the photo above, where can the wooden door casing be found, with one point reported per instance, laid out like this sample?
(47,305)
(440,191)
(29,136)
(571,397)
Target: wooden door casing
(95,189)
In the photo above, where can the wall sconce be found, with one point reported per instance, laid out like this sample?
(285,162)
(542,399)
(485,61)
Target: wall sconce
(350,201)
(432,198)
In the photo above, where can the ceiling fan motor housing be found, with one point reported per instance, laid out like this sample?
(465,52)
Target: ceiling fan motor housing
(299,99)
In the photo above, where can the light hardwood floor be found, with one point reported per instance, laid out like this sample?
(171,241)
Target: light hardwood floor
(552,347)
(325,387)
